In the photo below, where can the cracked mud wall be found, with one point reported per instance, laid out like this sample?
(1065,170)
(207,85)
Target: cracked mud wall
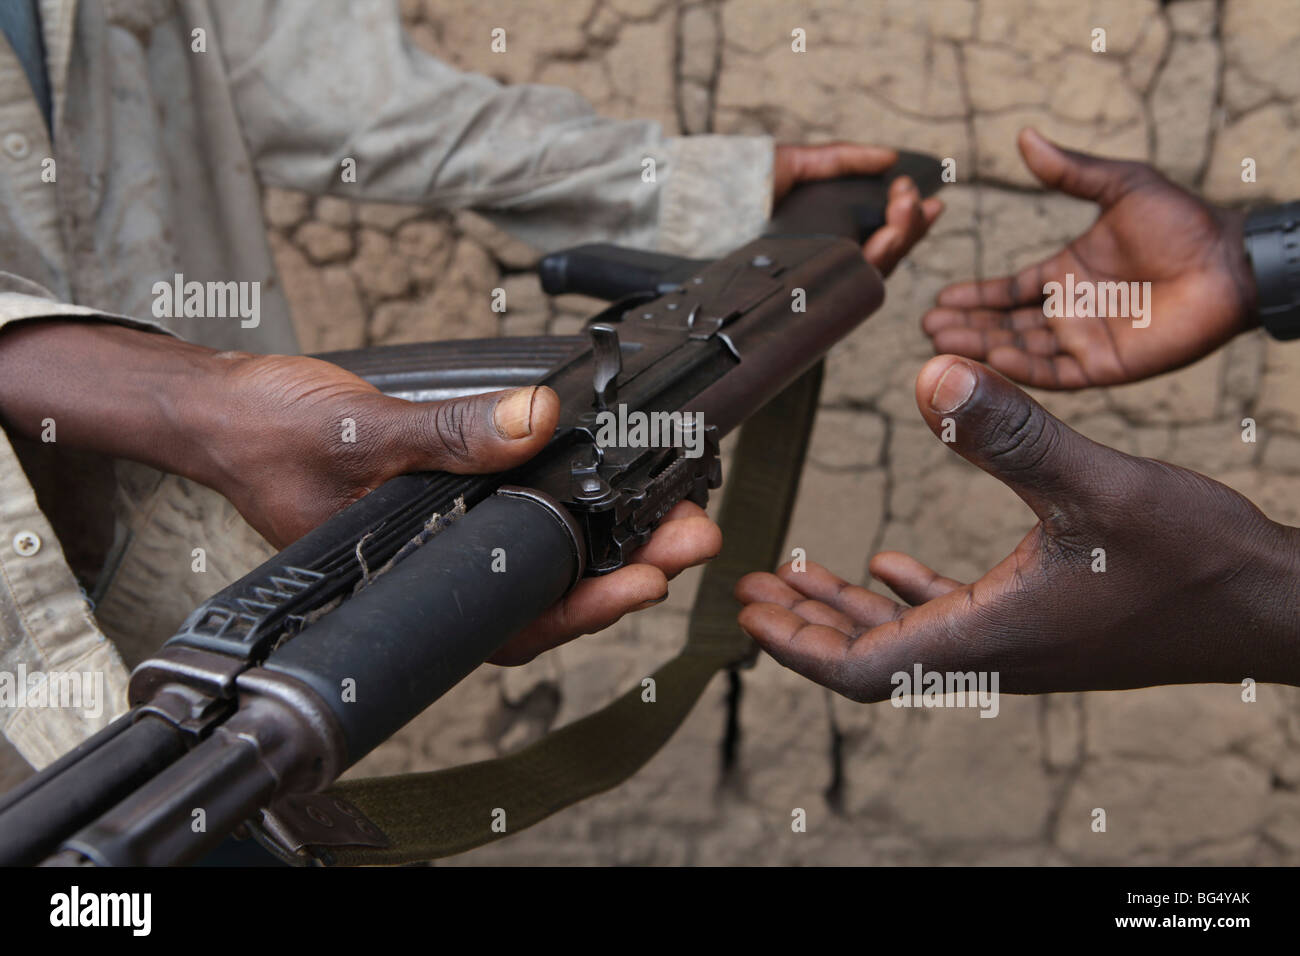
(1186,774)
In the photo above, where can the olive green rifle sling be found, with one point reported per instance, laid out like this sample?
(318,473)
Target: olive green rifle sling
(426,816)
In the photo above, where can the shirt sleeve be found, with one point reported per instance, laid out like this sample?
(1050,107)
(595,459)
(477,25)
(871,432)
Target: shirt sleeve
(61,679)
(23,299)
(320,97)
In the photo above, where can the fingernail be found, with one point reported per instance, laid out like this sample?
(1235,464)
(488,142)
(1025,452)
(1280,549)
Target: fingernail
(514,413)
(953,389)
(651,603)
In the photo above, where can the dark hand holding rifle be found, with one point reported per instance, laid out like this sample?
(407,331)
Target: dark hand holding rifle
(285,678)
(265,430)
(907,216)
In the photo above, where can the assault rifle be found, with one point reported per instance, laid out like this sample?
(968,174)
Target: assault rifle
(281,681)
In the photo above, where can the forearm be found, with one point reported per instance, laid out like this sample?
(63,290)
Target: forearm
(105,388)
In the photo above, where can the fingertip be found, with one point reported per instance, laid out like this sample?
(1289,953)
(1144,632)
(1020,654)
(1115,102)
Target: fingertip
(653,601)
(751,619)
(889,567)
(902,207)
(600,604)
(882,562)
(702,534)
(901,186)
(898,243)
(876,159)
(1041,155)
(789,574)
(546,410)
(680,544)
(630,585)
(940,318)
(959,340)
(651,583)
(878,247)
(684,509)
(747,588)
(999,356)
(811,579)
(525,415)
(945,383)
(959,295)
(766,622)
(1011,362)
(1029,138)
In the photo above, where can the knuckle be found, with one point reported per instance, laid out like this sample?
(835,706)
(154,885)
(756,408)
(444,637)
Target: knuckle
(1165,489)
(1024,438)
(557,623)
(1134,174)
(362,455)
(1128,176)
(453,428)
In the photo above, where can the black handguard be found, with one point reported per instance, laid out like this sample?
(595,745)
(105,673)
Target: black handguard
(293,673)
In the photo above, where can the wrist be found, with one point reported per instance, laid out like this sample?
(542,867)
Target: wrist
(1270,607)
(122,392)
(1240,272)
(210,429)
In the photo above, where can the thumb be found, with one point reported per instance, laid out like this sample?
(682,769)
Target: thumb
(998,428)
(1083,175)
(470,435)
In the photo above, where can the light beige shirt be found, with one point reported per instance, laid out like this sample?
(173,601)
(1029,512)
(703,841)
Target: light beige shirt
(168,117)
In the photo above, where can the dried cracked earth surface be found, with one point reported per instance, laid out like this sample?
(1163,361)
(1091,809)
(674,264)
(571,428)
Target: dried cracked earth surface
(1187,775)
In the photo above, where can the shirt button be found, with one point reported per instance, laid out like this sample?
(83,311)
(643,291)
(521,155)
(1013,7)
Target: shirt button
(16,145)
(27,543)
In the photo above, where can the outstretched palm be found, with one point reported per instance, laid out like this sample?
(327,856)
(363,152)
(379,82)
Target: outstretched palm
(1148,230)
